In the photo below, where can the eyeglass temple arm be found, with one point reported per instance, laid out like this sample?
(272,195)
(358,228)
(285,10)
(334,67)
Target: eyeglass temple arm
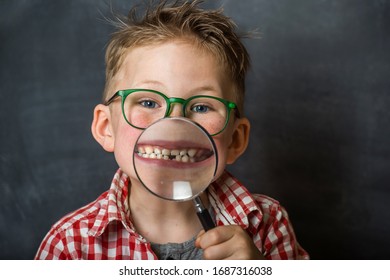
(109,101)
(234,107)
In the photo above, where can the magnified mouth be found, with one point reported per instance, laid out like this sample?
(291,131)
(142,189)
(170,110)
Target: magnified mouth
(185,155)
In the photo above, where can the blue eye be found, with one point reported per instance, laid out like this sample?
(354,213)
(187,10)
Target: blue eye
(149,104)
(200,109)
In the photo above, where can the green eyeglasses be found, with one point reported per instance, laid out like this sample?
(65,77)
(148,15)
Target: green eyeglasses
(142,107)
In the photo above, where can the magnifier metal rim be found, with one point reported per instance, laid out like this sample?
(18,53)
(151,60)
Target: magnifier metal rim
(213,147)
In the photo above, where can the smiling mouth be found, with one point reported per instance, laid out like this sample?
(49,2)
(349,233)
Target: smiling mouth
(185,155)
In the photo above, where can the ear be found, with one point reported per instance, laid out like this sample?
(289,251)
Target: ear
(101,127)
(240,140)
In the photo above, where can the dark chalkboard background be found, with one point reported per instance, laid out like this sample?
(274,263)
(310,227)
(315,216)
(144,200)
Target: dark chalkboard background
(317,95)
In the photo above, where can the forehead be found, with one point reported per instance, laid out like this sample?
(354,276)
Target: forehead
(172,65)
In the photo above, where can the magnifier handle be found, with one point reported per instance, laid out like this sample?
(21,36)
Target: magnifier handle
(206,220)
(203,215)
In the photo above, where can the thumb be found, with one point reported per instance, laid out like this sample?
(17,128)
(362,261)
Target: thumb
(200,234)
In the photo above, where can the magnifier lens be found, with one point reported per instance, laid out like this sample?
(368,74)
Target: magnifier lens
(175,159)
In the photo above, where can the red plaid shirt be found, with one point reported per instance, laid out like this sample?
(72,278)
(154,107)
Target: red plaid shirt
(103,228)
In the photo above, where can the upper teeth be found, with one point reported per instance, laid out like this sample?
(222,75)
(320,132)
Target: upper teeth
(183,155)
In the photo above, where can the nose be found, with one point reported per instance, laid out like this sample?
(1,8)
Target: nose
(176,110)
(175,106)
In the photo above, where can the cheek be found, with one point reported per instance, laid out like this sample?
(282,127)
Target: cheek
(222,145)
(125,140)
(222,142)
(140,118)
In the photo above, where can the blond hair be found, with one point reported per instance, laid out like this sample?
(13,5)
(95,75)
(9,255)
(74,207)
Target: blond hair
(209,29)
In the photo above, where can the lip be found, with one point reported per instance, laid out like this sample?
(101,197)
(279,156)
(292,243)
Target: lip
(175,144)
(208,154)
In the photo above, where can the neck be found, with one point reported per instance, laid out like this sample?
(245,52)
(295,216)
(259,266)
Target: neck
(162,221)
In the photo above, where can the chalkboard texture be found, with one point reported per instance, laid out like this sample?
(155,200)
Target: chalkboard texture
(318,97)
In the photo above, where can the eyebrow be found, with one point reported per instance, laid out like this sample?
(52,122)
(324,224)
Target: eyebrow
(205,88)
(150,82)
(160,85)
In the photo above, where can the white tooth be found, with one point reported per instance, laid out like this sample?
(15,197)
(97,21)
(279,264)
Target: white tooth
(183,152)
(178,158)
(191,152)
(145,155)
(166,152)
(159,156)
(166,157)
(185,159)
(141,150)
(153,155)
(149,149)
(175,152)
(157,151)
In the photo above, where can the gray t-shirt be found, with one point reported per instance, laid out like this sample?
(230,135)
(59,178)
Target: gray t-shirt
(178,251)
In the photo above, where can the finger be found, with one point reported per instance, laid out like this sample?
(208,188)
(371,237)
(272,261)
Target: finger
(215,236)
(221,251)
(201,233)
(234,249)
(238,246)
(197,241)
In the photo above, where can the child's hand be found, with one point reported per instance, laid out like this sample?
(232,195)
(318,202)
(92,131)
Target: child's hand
(227,242)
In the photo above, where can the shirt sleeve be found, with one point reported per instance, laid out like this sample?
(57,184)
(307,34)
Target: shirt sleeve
(52,247)
(276,235)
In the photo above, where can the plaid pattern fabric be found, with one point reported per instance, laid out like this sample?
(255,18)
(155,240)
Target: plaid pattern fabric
(103,229)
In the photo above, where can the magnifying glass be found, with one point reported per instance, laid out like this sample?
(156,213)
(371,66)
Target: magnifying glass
(176,159)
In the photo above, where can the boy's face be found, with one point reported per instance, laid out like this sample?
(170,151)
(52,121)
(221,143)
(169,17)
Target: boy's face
(176,69)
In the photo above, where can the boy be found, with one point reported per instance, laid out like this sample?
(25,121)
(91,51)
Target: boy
(176,50)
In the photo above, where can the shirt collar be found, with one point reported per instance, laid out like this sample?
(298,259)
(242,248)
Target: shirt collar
(115,206)
(233,203)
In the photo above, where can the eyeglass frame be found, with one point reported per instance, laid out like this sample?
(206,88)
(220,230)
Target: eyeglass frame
(169,101)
